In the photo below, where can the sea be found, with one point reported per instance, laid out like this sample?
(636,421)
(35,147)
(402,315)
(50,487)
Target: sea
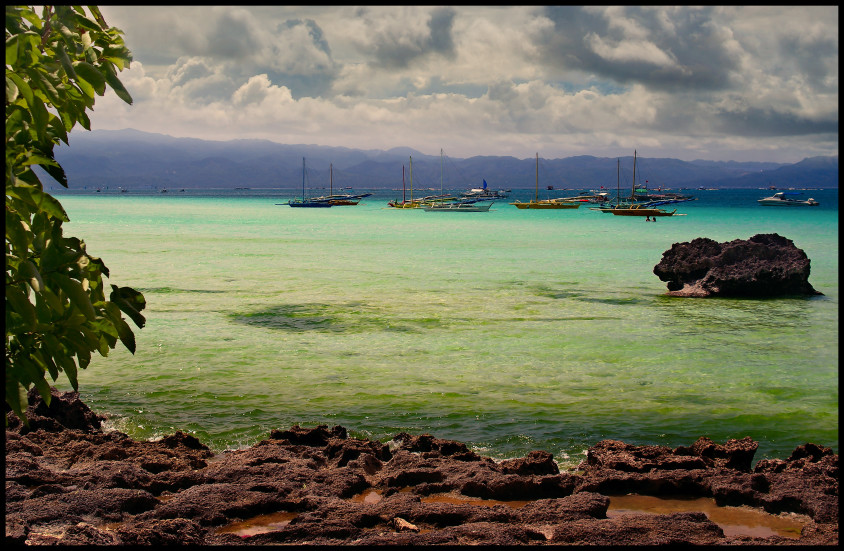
(509,330)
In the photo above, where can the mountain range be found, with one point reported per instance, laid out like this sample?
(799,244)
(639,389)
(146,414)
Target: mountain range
(133,159)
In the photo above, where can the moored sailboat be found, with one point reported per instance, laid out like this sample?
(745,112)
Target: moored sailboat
(304,201)
(450,204)
(339,199)
(405,204)
(643,209)
(537,203)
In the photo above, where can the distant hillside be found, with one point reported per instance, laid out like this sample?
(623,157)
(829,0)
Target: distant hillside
(139,160)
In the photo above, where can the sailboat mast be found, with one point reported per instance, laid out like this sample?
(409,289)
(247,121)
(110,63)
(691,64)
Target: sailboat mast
(633,191)
(411,179)
(618,181)
(403,189)
(303,178)
(330,179)
(536,193)
(441,176)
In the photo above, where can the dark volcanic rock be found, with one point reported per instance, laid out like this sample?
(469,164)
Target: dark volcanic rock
(69,486)
(766,265)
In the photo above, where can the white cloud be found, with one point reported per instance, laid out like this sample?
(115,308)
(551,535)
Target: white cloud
(488,80)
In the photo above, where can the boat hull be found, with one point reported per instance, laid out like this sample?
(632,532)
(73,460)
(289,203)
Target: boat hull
(309,204)
(544,205)
(642,212)
(457,208)
(780,200)
(780,203)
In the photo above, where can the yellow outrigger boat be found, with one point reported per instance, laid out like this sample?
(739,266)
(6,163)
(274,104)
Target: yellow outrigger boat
(537,203)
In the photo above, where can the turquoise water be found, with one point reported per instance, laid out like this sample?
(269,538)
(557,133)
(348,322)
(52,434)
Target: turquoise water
(510,330)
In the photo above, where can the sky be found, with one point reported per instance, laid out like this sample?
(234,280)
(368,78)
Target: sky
(722,83)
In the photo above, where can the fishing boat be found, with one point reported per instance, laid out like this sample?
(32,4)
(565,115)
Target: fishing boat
(780,199)
(339,199)
(644,209)
(443,205)
(537,203)
(303,201)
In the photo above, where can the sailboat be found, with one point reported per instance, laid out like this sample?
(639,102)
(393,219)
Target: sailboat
(618,204)
(537,203)
(453,206)
(305,202)
(405,204)
(339,198)
(643,209)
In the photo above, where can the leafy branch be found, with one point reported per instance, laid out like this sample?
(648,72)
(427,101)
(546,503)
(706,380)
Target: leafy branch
(57,313)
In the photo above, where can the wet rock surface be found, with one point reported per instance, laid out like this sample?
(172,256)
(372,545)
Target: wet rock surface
(81,486)
(766,265)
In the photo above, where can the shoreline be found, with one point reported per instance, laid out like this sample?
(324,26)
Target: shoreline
(68,482)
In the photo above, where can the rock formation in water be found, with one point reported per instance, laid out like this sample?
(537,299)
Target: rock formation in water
(766,265)
(81,486)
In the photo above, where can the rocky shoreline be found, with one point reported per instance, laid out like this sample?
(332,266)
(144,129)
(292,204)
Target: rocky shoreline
(70,483)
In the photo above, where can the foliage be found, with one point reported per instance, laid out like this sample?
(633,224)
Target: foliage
(56,308)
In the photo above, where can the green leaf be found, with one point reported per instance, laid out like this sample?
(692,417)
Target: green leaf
(20,304)
(39,79)
(116,85)
(16,396)
(78,297)
(83,357)
(86,88)
(29,271)
(40,117)
(11,90)
(22,85)
(130,301)
(58,128)
(16,234)
(91,75)
(35,370)
(85,23)
(127,337)
(39,199)
(65,60)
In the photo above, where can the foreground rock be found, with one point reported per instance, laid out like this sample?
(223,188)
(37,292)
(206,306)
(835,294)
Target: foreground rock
(766,265)
(80,486)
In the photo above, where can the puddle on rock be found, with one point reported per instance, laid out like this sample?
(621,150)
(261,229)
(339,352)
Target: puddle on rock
(367,496)
(374,496)
(258,525)
(734,521)
(466,500)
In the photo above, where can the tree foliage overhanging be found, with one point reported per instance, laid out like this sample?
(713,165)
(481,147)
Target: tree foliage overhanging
(57,312)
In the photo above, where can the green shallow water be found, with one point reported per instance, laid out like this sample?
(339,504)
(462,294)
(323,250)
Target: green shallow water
(510,330)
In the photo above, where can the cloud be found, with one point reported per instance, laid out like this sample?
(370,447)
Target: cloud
(660,47)
(483,80)
(397,39)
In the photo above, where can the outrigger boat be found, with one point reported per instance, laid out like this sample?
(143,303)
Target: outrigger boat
(339,198)
(449,204)
(405,204)
(537,203)
(308,202)
(643,209)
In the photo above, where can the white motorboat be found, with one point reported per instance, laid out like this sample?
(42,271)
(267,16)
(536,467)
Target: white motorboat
(780,199)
